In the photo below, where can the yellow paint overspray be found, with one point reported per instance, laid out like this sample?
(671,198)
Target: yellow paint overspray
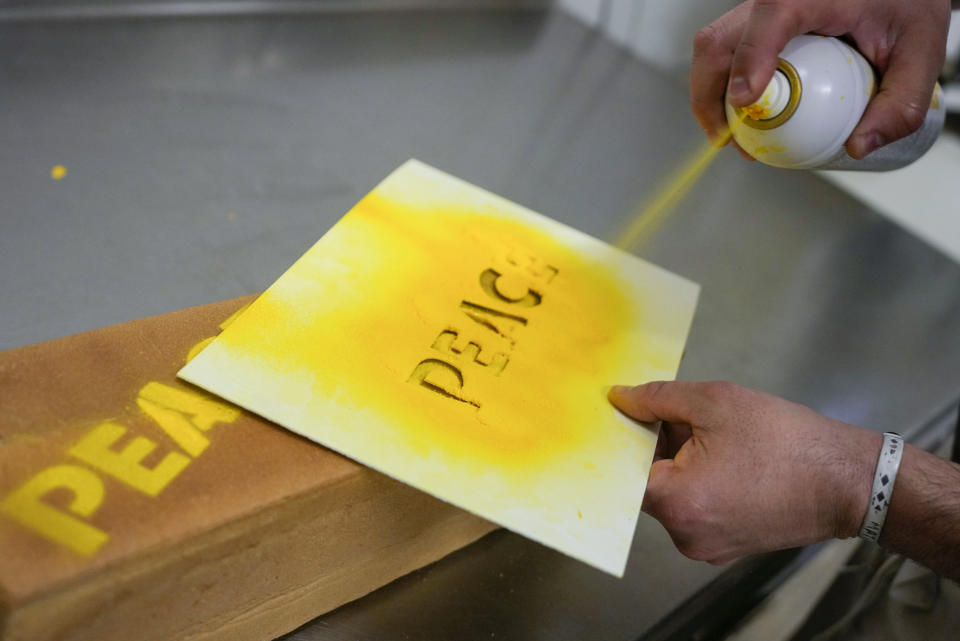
(506,432)
(649,219)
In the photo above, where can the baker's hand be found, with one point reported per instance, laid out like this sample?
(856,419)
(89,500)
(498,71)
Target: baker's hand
(740,472)
(904,39)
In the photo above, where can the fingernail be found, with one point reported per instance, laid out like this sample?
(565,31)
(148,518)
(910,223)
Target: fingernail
(618,390)
(737,89)
(866,143)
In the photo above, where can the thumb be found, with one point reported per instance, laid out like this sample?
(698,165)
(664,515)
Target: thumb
(901,105)
(673,401)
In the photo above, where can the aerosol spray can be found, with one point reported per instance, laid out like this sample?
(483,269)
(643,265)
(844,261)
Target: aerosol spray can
(813,103)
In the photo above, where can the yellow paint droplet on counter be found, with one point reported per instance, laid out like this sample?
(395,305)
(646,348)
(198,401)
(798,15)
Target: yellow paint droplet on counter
(579,514)
(58,172)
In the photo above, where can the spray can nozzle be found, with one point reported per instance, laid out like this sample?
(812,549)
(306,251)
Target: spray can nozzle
(773,100)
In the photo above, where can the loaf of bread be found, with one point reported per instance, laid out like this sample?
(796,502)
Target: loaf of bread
(135,506)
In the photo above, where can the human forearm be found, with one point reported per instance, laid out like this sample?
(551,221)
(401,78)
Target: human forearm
(923,521)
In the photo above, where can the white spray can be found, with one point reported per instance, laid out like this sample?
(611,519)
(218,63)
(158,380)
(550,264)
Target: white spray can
(813,103)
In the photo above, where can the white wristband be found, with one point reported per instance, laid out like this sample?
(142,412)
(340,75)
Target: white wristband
(887,465)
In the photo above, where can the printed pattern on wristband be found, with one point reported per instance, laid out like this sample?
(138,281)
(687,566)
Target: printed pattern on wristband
(888,464)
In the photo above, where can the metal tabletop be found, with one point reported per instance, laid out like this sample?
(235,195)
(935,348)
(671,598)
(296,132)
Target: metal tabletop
(205,154)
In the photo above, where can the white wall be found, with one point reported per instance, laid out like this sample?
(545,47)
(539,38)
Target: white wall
(661,31)
(657,31)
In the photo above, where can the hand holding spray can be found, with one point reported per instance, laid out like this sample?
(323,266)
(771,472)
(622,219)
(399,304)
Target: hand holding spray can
(811,106)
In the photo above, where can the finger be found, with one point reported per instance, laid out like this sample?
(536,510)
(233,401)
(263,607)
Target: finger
(771,25)
(672,401)
(658,486)
(713,48)
(675,435)
(901,105)
(670,439)
(724,559)
(661,450)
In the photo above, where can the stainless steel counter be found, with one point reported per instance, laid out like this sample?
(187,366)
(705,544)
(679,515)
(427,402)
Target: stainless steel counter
(205,154)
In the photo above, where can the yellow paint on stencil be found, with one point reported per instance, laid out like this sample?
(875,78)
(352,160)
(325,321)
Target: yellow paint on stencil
(234,316)
(58,172)
(388,319)
(199,347)
(196,349)
(462,344)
